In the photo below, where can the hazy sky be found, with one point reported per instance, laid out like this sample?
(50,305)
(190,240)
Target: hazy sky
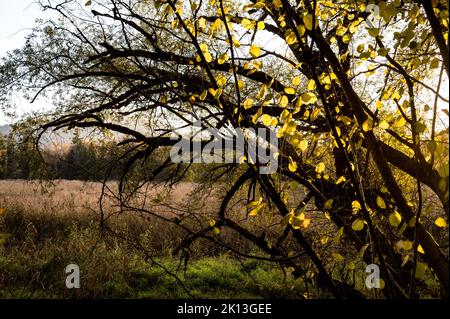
(17,18)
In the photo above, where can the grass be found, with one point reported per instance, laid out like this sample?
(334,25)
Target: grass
(52,227)
(110,270)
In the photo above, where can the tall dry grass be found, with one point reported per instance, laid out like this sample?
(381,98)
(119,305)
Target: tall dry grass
(53,224)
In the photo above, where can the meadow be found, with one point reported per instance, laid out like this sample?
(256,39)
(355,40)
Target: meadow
(48,225)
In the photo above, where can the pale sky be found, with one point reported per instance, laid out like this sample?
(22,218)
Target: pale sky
(17,18)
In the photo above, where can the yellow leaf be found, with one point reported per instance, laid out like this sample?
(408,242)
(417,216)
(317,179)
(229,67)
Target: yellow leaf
(368,124)
(308,21)
(241,84)
(248,103)
(291,38)
(296,81)
(255,51)
(306,222)
(257,115)
(203,95)
(337,257)
(248,24)
(299,221)
(204,47)
(309,98)
(285,116)
(384,125)
(351,265)
(266,119)
(341,180)
(356,206)
(315,114)
(373,32)
(311,85)
(284,101)
(320,167)
(223,58)
(379,105)
(216,93)
(395,219)
(292,165)
(256,207)
(221,80)
(358,225)
(400,122)
(404,244)
(261,25)
(420,249)
(303,145)
(208,57)
(324,240)
(381,203)
(301,30)
(440,222)
(289,90)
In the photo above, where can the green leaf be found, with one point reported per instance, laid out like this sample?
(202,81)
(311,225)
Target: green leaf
(373,32)
(443,170)
(432,146)
(337,257)
(421,269)
(328,204)
(203,95)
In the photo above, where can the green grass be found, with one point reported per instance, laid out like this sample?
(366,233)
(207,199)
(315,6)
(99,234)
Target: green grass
(33,260)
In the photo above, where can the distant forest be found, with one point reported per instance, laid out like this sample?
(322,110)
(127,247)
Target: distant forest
(76,159)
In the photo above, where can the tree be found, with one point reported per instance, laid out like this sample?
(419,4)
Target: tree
(344,90)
